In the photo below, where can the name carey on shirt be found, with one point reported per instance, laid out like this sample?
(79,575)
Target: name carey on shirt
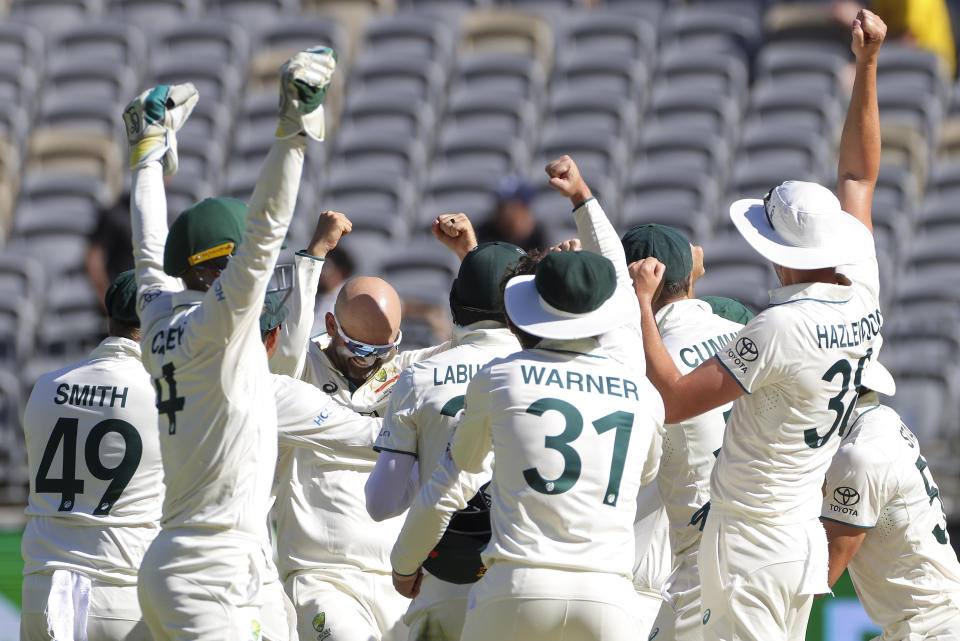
(850,334)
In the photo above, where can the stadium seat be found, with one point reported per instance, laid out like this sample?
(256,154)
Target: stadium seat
(253,13)
(944,180)
(422,78)
(794,107)
(53,15)
(772,143)
(214,81)
(601,72)
(499,72)
(488,150)
(754,179)
(372,150)
(122,43)
(92,77)
(405,34)
(423,270)
(899,186)
(606,152)
(404,115)
(81,112)
(287,35)
(204,39)
(202,158)
(608,31)
(811,24)
(79,152)
(454,189)
(609,113)
(369,194)
(695,225)
(948,142)
(704,69)
(936,214)
(150,13)
(684,147)
(914,67)
(934,253)
(184,190)
(689,107)
(507,32)
(750,287)
(657,187)
(804,66)
(500,111)
(21,43)
(704,25)
(904,104)
(18,85)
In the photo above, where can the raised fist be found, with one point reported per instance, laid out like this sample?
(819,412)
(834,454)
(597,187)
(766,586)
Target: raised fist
(331,227)
(565,177)
(868,32)
(455,232)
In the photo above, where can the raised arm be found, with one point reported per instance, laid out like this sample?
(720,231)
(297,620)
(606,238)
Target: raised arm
(859,161)
(151,121)
(290,356)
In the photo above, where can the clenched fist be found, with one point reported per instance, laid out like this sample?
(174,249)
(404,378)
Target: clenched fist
(647,275)
(565,177)
(331,227)
(455,232)
(868,33)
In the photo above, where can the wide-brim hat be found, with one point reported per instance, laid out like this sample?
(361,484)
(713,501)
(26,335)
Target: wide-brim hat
(572,295)
(801,225)
(878,378)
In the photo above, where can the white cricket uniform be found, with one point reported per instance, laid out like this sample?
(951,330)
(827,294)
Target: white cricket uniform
(95,493)
(304,357)
(653,559)
(333,558)
(564,490)
(763,552)
(419,422)
(692,334)
(906,572)
(201,578)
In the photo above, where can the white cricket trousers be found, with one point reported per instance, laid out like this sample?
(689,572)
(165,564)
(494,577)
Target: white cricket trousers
(346,604)
(516,603)
(758,580)
(649,605)
(681,621)
(278,619)
(438,612)
(113,613)
(202,586)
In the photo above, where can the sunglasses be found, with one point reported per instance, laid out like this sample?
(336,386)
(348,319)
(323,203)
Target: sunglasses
(364,350)
(766,206)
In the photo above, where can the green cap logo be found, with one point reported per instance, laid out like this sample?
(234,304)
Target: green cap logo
(319,621)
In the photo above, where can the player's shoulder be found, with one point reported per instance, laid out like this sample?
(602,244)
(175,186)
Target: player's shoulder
(870,442)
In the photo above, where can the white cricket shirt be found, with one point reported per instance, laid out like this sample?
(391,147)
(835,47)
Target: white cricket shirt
(574,434)
(215,399)
(800,361)
(906,572)
(692,334)
(95,473)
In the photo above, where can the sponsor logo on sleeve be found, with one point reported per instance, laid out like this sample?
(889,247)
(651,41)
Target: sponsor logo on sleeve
(747,349)
(844,500)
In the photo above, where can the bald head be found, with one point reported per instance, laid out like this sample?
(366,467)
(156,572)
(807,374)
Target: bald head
(368,310)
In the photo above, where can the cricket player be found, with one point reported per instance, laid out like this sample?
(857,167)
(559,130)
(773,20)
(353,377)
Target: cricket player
(564,489)
(691,333)
(793,372)
(332,557)
(201,577)
(885,523)
(419,424)
(95,487)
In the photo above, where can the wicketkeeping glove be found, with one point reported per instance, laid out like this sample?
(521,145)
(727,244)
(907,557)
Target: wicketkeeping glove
(304,80)
(152,120)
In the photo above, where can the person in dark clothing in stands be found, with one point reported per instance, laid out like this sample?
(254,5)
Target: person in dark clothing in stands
(109,252)
(512,219)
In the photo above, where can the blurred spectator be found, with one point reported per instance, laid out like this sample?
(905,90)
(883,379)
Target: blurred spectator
(923,23)
(337,268)
(512,219)
(109,252)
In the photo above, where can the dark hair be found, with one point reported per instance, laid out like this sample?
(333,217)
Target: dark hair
(526,266)
(342,259)
(674,290)
(464,316)
(116,328)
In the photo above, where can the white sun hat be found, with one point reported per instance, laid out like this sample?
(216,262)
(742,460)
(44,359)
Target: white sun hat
(571,295)
(801,225)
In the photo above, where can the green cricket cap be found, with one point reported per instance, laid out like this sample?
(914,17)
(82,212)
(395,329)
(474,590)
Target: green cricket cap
(477,285)
(274,311)
(575,282)
(666,244)
(209,229)
(732,310)
(121,299)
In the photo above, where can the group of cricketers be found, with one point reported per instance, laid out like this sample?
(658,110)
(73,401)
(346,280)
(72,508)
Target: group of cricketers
(596,454)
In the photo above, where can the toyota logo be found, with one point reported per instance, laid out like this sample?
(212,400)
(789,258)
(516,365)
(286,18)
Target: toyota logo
(747,349)
(846,496)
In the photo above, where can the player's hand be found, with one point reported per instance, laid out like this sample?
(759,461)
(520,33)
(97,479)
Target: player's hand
(304,80)
(868,33)
(647,275)
(569,245)
(331,227)
(455,232)
(408,586)
(565,177)
(152,120)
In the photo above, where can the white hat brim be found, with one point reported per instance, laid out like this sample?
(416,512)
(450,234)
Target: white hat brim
(879,379)
(750,219)
(526,311)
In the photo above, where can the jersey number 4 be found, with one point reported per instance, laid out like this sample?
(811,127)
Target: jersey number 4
(68,485)
(622,422)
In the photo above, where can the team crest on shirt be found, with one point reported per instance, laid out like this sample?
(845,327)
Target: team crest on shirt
(319,622)
(381,376)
